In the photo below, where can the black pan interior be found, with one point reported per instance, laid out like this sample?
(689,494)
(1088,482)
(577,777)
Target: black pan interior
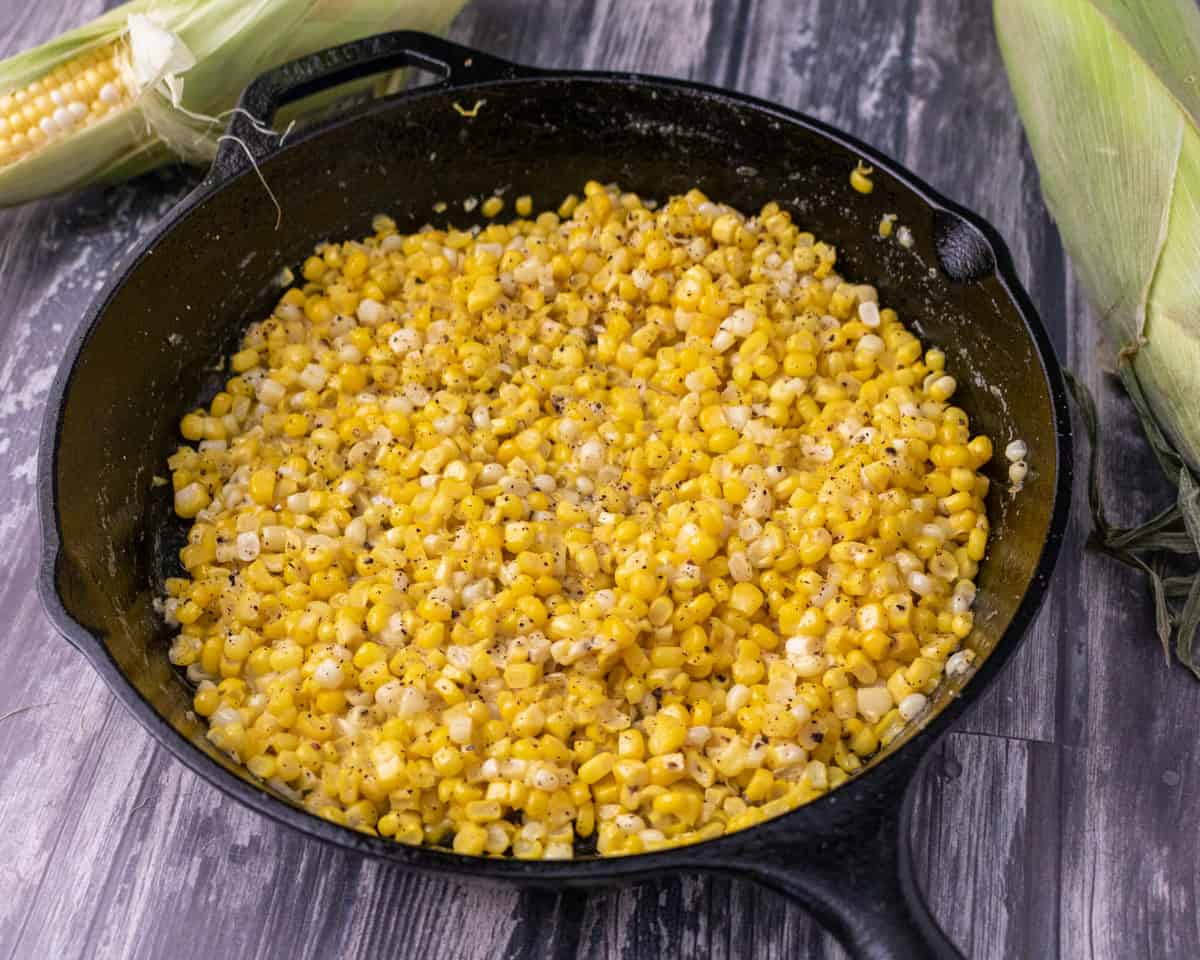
(157,345)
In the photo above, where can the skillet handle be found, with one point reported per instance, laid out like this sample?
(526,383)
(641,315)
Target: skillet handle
(250,135)
(858,878)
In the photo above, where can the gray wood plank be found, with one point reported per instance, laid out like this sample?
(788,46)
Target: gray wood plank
(982,846)
(718,918)
(669,37)
(1131,856)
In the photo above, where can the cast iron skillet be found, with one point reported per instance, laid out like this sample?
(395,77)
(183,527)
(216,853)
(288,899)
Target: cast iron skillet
(150,344)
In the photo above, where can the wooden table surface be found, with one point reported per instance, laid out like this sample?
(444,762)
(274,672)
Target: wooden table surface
(1058,819)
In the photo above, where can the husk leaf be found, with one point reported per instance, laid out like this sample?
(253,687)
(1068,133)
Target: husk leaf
(1109,91)
(233,42)
(1155,545)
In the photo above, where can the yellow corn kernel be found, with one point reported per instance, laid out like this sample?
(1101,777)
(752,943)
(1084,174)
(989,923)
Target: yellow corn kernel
(596,768)
(746,599)
(262,486)
(469,839)
(192,427)
(860,178)
(667,735)
(760,785)
(631,744)
(519,676)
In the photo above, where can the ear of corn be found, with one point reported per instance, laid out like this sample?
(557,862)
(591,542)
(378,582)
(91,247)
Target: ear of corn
(99,148)
(1110,94)
(73,111)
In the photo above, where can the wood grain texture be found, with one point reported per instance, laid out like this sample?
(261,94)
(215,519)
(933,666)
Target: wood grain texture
(994,789)
(1131,759)
(1047,825)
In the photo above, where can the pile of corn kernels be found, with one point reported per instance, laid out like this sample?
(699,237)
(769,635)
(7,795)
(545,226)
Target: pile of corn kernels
(608,529)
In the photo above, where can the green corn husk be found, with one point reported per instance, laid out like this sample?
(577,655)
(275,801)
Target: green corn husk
(232,42)
(1109,91)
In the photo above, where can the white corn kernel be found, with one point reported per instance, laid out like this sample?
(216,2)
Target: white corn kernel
(328,674)
(313,377)
(920,584)
(371,313)
(874,702)
(912,705)
(737,697)
(1016,450)
(959,663)
(248,546)
(807,665)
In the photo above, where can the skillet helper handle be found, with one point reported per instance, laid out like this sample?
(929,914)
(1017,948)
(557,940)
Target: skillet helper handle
(859,880)
(250,137)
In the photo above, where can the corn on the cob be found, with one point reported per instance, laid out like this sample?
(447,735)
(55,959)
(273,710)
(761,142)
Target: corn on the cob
(68,98)
(83,108)
(630,524)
